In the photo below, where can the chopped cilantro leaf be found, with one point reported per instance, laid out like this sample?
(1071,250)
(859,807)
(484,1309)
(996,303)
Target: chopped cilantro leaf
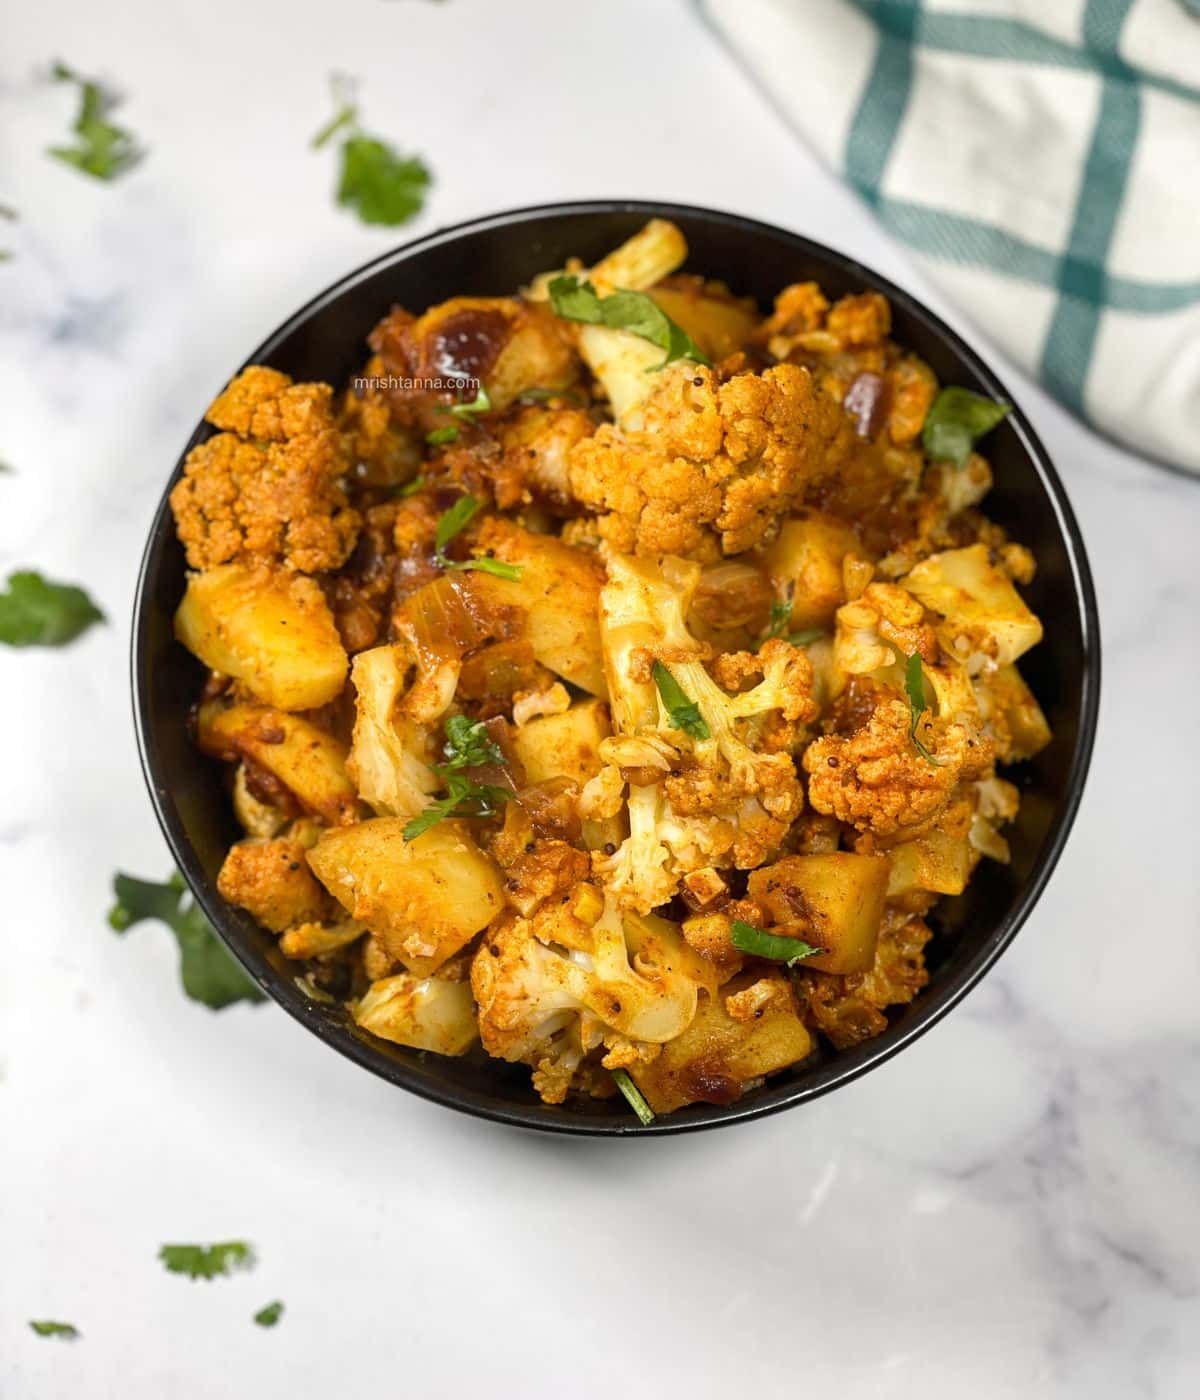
(633,1096)
(103,149)
(440,435)
(66,1330)
(576,300)
(451,523)
(37,613)
(207,971)
(769,945)
(956,421)
(682,712)
(914,684)
(468,744)
(463,799)
(270,1315)
(381,186)
(207,1261)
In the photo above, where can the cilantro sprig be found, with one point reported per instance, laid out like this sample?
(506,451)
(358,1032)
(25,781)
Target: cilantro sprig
(769,945)
(634,1096)
(956,421)
(452,523)
(463,798)
(34,612)
(207,971)
(914,685)
(381,186)
(207,1261)
(468,745)
(682,712)
(66,1331)
(577,300)
(103,150)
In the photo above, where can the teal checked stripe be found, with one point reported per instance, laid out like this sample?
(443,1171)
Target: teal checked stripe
(1078,273)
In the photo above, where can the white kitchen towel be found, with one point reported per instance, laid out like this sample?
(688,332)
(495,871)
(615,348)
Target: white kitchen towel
(1042,159)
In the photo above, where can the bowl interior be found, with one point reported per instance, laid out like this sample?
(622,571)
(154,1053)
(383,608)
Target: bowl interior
(325,340)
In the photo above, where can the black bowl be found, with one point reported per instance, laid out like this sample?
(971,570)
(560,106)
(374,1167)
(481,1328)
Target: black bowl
(325,340)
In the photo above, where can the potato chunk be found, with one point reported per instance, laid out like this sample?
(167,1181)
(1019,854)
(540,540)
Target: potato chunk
(270,629)
(716,1056)
(426,1013)
(807,558)
(566,745)
(424,899)
(832,901)
(559,589)
(986,621)
(308,762)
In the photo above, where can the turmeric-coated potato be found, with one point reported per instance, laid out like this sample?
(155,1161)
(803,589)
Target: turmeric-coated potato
(986,621)
(424,899)
(834,902)
(308,762)
(270,629)
(714,1058)
(806,559)
(566,745)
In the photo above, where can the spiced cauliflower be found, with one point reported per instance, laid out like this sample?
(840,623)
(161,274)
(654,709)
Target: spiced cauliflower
(609,681)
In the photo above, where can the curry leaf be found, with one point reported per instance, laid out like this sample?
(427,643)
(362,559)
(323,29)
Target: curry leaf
(769,945)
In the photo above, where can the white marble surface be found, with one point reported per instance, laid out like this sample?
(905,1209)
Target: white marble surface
(1007,1210)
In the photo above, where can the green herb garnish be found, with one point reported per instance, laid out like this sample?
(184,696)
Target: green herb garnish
(207,971)
(468,744)
(769,945)
(451,523)
(270,1315)
(682,712)
(576,300)
(9,213)
(207,1260)
(37,613)
(633,1095)
(410,488)
(781,615)
(379,185)
(103,149)
(481,403)
(914,684)
(956,421)
(463,799)
(66,1330)
(805,636)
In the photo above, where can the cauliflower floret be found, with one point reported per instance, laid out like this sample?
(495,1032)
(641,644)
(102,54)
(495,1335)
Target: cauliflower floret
(398,705)
(876,780)
(272,881)
(706,800)
(849,1009)
(555,986)
(702,468)
(270,490)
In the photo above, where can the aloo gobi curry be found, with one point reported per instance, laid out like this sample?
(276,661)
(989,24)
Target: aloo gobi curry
(612,677)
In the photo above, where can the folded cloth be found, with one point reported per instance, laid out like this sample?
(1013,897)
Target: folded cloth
(1041,159)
